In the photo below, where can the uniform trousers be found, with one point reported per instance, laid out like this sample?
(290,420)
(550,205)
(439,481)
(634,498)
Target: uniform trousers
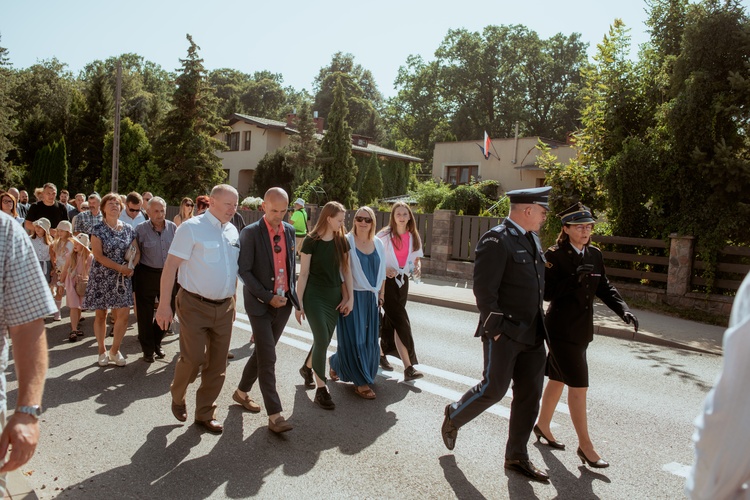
(506,360)
(205,335)
(267,330)
(147,290)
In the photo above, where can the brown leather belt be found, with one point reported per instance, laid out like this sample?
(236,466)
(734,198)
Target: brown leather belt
(204,299)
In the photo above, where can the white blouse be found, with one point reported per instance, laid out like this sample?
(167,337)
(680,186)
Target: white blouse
(392,261)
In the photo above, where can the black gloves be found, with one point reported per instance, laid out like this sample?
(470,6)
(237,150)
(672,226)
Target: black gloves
(583,271)
(629,318)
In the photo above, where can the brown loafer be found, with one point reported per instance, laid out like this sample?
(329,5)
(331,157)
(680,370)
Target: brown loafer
(179,411)
(246,403)
(279,426)
(213,426)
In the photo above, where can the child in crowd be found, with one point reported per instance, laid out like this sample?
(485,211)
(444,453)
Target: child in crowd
(61,247)
(42,241)
(76,269)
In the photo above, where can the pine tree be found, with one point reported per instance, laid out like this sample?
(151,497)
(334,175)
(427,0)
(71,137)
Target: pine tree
(8,176)
(372,184)
(58,165)
(339,170)
(93,126)
(304,149)
(186,151)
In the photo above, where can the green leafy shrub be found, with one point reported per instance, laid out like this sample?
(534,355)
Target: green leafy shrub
(430,194)
(467,199)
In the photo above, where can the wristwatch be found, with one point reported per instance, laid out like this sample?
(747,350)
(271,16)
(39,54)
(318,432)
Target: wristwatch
(35,410)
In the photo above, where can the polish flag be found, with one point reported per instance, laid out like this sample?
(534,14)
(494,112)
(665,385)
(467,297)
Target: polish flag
(487,144)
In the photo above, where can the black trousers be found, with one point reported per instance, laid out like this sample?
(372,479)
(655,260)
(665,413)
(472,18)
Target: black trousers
(267,330)
(395,320)
(147,289)
(506,360)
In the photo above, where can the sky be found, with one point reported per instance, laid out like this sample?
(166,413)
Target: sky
(295,38)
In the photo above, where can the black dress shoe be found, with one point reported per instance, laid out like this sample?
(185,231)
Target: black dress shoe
(323,399)
(599,464)
(526,468)
(148,358)
(212,426)
(160,353)
(412,374)
(384,364)
(448,430)
(307,374)
(553,444)
(179,411)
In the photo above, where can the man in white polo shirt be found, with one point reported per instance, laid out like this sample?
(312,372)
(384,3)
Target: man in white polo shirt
(205,251)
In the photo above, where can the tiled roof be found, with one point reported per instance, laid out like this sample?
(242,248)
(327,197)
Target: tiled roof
(275,124)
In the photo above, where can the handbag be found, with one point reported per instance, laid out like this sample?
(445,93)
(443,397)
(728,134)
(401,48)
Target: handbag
(82,281)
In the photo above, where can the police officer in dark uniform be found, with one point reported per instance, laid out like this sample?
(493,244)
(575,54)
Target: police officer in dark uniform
(509,288)
(574,276)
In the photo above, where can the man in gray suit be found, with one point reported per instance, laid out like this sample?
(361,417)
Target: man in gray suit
(509,288)
(267,270)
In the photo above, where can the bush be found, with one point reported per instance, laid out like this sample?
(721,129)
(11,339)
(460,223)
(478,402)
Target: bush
(490,189)
(430,194)
(467,199)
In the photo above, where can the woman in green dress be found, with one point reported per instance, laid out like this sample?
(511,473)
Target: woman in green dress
(324,264)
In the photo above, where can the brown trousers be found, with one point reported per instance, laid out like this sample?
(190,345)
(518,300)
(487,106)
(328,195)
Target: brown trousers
(205,335)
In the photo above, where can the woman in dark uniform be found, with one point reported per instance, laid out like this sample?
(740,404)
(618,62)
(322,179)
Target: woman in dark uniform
(573,277)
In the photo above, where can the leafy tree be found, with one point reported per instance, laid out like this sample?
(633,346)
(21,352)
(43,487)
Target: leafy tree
(9,175)
(136,170)
(186,150)
(264,96)
(304,148)
(372,185)
(273,170)
(338,167)
(43,93)
(230,84)
(94,124)
(362,95)
(58,164)
(39,174)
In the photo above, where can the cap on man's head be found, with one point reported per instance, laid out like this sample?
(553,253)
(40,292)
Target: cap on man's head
(536,196)
(577,214)
(300,202)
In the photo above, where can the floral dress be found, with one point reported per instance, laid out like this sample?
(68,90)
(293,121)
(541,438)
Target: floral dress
(108,289)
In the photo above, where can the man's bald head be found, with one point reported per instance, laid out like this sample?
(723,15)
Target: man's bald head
(275,194)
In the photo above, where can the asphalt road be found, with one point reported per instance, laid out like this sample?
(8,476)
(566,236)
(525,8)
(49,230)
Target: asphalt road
(109,432)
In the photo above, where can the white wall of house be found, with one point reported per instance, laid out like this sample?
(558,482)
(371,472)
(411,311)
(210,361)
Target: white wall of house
(512,166)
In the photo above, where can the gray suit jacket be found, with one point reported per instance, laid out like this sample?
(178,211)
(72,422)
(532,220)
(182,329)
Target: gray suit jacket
(256,267)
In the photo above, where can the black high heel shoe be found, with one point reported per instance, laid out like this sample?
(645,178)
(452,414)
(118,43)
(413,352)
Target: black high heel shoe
(553,444)
(599,464)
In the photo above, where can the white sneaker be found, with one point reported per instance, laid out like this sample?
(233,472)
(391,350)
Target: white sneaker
(56,317)
(103,359)
(119,359)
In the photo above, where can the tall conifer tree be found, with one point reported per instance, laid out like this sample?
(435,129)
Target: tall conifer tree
(339,170)
(186,151)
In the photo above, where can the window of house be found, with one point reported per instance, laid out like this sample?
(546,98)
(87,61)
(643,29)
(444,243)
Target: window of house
(247,140)
(460,175)
(233,141)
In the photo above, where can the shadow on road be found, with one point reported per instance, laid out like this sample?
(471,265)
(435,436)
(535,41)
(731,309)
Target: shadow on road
(670,368)
(461,486)
(567,484)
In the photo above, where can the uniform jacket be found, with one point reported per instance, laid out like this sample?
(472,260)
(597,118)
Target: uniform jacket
(256,267)
(509,284)
(570,315)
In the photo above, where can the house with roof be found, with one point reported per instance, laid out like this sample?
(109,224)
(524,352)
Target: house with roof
(511,162)
(252,137)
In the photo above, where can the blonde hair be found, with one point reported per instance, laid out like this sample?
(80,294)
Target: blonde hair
(332,209)
(183,205)
(47,238)
(411,226)
(371,215)
(74,256)
(58,241)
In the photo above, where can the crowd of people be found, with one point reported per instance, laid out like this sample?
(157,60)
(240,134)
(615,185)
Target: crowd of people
(114,253)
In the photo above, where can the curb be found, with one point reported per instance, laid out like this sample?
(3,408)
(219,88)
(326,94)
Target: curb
(605,331)
(18,488)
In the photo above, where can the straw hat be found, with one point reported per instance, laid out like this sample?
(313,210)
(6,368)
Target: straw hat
(82,239)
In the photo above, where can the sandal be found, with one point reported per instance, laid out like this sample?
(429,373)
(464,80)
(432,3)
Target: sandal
(365,393)
(79,333)
(73,337)
(334,376)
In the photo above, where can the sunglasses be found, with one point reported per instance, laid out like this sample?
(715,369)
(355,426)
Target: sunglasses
(276,247)
(366,220)
(133,210)
(189,205)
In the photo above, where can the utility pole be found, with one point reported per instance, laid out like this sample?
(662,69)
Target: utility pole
(116,138)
